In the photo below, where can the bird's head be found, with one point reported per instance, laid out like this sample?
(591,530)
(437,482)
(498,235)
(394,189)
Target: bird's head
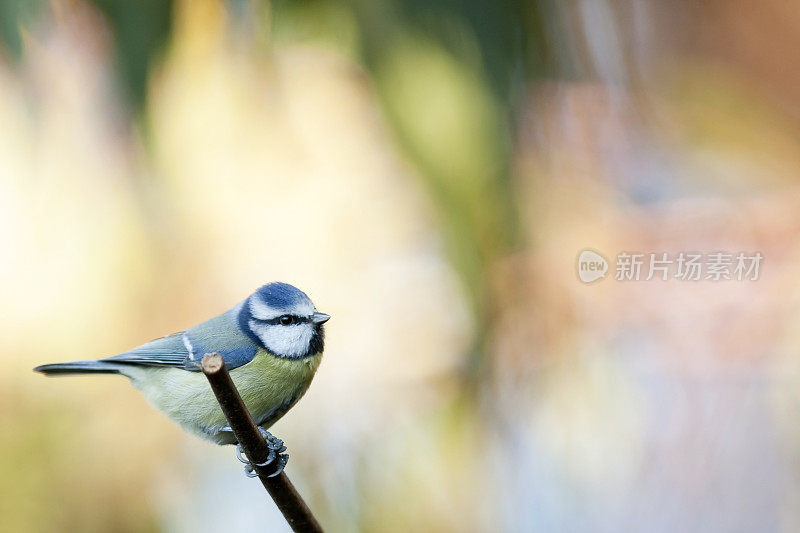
(282,319)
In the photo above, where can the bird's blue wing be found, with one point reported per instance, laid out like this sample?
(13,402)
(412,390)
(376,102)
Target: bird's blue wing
(186,349)
(222,334)
(166,351)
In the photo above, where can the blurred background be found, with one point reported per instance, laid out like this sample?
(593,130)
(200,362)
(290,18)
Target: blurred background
(428,172)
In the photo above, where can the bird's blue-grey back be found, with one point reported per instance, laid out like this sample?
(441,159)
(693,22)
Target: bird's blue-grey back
(236,334)
(186,349)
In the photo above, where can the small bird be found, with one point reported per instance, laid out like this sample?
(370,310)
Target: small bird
(271,342)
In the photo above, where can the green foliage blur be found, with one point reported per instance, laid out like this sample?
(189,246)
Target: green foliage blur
(428,171)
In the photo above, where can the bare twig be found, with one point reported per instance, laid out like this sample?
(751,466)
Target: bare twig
(286,497)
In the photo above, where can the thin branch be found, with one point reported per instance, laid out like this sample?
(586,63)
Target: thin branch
(286,497)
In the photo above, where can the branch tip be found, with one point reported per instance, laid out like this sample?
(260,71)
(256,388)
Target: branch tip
(212,363)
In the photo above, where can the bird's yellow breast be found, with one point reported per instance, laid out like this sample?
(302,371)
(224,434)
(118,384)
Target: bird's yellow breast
(268,385)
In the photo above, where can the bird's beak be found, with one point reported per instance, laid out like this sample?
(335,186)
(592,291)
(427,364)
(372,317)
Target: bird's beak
(320,318)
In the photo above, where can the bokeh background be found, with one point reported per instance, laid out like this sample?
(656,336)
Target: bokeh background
(427,172)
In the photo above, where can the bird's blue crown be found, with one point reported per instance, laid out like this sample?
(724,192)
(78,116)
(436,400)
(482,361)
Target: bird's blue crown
(279,295)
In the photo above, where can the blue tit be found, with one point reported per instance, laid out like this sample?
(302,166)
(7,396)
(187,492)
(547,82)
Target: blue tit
(271,342)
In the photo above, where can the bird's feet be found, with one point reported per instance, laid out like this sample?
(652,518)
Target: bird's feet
(276,449)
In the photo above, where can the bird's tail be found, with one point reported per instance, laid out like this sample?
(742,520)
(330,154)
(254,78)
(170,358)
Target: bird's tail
(79,367)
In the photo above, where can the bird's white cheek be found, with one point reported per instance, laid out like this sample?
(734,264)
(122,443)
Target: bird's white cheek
(284,341)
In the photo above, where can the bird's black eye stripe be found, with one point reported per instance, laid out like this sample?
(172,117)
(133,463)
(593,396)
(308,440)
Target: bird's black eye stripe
(286,320)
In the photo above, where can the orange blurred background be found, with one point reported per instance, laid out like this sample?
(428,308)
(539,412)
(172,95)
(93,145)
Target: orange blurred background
(428,173)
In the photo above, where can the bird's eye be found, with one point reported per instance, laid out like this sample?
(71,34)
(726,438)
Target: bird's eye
(286,320)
